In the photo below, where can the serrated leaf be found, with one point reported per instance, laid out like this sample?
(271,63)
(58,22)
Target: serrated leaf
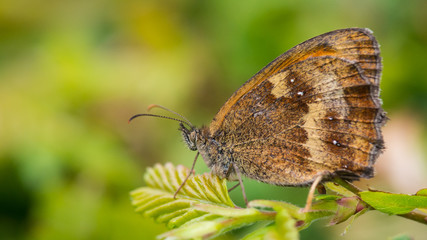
(203,208)
(393,203)
(206,187)
(156,200)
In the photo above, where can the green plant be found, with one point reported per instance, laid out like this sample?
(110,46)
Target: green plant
(203,208)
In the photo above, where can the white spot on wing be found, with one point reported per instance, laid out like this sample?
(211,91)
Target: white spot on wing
(336,143)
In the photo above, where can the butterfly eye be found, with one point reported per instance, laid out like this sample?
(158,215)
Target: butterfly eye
(189,137)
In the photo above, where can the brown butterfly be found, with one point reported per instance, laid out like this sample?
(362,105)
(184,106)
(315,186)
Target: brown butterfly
(312,114)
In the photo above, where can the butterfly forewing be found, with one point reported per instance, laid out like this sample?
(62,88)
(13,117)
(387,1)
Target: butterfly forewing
(353,44)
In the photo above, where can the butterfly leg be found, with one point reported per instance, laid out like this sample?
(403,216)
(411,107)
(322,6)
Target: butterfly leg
(239,176)
(311,193)
(233,187)
(188,176)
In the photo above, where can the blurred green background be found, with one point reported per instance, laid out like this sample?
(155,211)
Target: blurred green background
(73,72)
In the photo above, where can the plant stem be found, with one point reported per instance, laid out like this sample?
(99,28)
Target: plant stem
(413,215)
(347,185)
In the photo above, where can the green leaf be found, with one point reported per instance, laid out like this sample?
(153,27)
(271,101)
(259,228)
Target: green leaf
(206,188)
(329,205)
(285,227)
(352,218)
(304,219)
(200,229)
(156,200)
(338,189)
(346,207)
(228,212)
(258,234)
(422,192)
(401,237)
(203,208)
(208,229)
(277,206)
(393,203)
(327,197)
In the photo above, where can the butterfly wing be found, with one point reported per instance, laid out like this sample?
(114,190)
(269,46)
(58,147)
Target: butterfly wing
(314,110)
(353,44)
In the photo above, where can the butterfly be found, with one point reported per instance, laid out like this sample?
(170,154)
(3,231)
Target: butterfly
(312,114)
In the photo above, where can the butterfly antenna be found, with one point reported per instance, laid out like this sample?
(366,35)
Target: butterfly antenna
(159,116)
(171,111)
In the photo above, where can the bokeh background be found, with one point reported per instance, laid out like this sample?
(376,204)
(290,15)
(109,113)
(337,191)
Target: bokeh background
(73,72)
